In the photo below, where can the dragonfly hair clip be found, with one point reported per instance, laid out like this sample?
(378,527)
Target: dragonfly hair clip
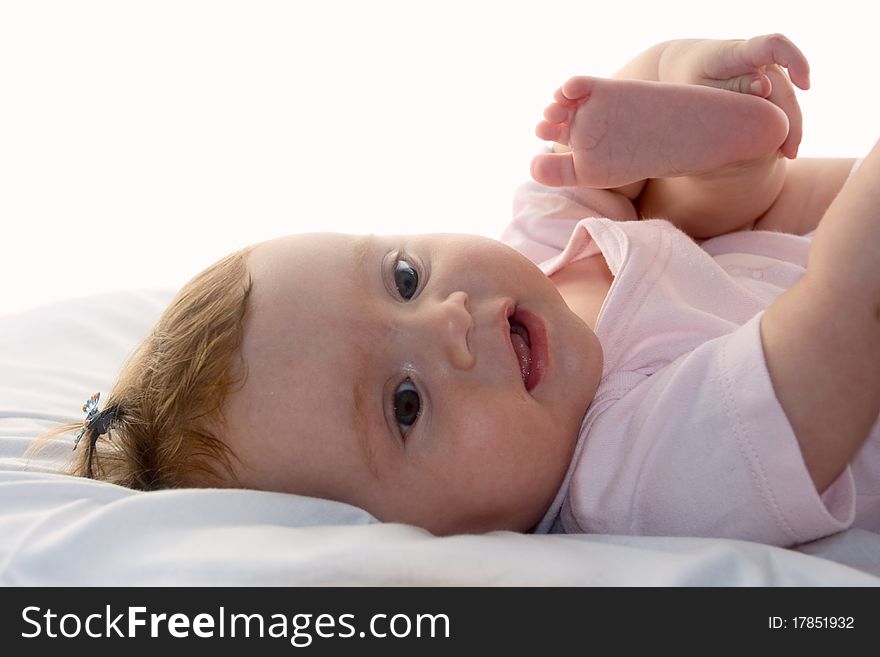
(90,408)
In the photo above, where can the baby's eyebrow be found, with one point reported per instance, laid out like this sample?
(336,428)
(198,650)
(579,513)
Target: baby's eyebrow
(361,425)
(360,252)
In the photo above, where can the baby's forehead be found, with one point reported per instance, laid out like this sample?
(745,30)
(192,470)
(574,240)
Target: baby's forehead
(305,241)
(332,240)
(308,285)
(290,252)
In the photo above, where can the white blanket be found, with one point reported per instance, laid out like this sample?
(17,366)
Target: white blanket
(60,530)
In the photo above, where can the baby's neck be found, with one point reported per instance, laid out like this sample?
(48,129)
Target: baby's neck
(584,285)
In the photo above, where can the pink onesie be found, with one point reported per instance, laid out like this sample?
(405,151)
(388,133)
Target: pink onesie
(685,435)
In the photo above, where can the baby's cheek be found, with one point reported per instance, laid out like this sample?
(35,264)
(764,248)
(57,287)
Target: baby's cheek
(500,427)
(480,430)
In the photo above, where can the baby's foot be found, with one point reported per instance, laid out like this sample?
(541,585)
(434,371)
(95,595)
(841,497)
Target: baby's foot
(754,66)
(624,131)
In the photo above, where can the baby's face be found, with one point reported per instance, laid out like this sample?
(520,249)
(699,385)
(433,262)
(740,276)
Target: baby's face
(382,372)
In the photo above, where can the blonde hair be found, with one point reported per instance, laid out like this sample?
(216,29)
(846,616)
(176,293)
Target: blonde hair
(166,404)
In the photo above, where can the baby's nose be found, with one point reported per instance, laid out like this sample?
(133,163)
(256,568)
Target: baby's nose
(452,325)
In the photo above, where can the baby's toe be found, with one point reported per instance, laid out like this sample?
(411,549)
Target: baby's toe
(555,113)
(560,98)
(557,132)
(554,170)
(578,88)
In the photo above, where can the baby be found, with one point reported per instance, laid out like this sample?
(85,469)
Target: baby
(691,374)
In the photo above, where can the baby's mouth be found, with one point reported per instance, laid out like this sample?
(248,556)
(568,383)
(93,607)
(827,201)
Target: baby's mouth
(522,346)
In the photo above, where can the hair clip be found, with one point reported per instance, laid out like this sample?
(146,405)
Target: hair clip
(90,408)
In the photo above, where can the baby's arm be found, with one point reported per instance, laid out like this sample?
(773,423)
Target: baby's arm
(810,185)
(822,337)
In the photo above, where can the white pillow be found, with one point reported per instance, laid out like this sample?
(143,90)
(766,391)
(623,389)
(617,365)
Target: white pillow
(61,530)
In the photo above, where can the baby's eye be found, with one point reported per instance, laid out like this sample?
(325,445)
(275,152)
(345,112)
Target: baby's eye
(407,405)
(406,278)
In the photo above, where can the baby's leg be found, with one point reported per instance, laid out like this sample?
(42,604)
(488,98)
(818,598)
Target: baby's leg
(731,198)
(715,152)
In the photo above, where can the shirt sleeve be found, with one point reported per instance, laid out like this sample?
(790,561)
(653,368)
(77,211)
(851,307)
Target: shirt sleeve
(702,447)
(544,217)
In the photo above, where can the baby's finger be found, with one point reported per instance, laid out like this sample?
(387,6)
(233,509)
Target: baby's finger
(783,97)
(778,49)
(755,84)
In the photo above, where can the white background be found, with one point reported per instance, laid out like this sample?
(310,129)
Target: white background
(140,141)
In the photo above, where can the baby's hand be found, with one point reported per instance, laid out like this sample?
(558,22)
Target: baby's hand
(756,66)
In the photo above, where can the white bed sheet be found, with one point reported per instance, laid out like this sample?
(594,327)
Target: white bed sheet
(59,530)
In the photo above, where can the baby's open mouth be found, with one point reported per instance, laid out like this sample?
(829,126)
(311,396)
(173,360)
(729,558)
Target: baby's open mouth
(519,337)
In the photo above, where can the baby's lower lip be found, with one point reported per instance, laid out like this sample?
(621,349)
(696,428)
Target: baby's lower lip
(537,344)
